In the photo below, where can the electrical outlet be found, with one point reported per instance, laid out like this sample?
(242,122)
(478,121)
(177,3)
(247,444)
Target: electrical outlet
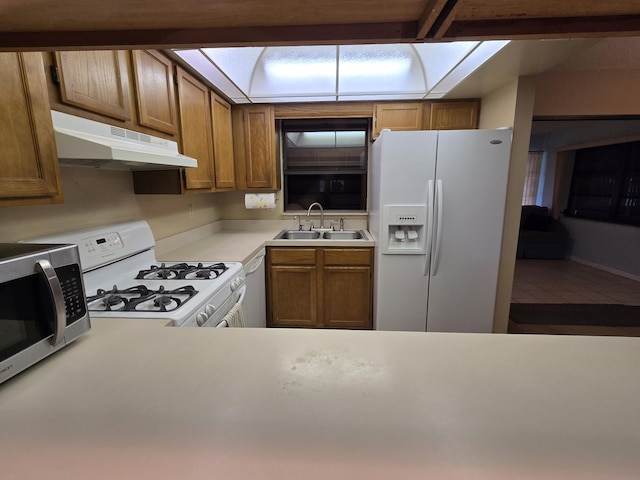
(190,207)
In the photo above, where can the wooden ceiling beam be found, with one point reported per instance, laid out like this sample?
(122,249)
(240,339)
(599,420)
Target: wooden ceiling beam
(398,32)
(436,18)
(538,28)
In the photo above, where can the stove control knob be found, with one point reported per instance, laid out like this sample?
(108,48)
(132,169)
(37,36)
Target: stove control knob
(202,318)
(235,283)
(210,309)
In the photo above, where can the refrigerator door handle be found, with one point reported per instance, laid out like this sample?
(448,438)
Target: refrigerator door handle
(428,239)
(435,260)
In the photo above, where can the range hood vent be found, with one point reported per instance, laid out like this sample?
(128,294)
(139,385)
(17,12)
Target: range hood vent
(93,144)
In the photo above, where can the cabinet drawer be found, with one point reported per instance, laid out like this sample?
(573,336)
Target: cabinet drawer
(347,256)
(292,256)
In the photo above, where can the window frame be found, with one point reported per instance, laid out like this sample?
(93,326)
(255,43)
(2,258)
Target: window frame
(330,173)
(605,184)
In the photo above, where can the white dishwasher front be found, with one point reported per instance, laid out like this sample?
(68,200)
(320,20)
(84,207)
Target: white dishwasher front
(255,304)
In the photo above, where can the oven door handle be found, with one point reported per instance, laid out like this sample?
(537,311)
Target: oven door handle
(45,268)
(243,294)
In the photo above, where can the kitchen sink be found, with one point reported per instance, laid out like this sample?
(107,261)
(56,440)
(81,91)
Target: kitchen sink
(297,235)
(343,235)
(315,235)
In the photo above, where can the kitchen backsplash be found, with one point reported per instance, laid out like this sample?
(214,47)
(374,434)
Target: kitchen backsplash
(95,197)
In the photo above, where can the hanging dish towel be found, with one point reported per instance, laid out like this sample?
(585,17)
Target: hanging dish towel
(235,317)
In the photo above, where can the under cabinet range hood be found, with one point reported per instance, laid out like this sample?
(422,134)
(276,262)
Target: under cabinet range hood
(93,144)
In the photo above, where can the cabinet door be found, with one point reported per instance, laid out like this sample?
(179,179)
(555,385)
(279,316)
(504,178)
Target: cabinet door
(155,92)
(454,115)
(195,130)
(292,296)
(97,81)
(28,158)
(254,139)
(397,116)
(346,300)
(222,143)
(346,297)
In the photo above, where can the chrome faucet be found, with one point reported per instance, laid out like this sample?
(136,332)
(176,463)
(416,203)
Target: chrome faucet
(316,204)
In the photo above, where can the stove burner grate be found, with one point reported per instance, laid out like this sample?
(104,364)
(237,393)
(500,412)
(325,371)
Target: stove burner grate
(140,299)
(182,271)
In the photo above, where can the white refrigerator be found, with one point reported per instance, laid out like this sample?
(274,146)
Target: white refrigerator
(436,213)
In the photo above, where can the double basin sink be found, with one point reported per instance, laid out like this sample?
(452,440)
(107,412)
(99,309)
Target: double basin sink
(317,235)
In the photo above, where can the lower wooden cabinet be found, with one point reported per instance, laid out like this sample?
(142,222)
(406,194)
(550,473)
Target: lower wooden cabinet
(323,287)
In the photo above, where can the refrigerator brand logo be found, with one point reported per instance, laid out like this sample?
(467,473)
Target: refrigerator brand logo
(495,142)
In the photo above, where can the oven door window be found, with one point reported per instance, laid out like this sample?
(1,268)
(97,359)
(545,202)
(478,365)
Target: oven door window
(26,315)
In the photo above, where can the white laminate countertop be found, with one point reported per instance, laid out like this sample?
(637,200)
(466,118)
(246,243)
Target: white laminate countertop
(135,400)
(240,240)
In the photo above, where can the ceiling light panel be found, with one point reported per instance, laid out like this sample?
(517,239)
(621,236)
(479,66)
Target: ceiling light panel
(308,71)
(379,70)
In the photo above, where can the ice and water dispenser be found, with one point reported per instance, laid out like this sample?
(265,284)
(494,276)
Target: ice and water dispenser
(404,229)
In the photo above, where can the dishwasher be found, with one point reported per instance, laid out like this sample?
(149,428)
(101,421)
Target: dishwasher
(255,303)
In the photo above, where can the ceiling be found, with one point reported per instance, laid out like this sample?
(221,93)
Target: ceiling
(565,28)
(41,24)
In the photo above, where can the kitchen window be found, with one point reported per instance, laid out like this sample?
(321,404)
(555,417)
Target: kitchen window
(325,161)
(605,184)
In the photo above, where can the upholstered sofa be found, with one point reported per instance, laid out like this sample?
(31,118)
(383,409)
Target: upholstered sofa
(541,236)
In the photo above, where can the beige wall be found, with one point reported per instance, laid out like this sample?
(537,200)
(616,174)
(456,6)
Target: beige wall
(510,105)
(94,197)
(588,92)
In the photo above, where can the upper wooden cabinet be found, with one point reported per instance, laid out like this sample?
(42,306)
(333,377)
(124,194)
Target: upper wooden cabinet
(97,81)
(155,93)
(206,135)
(402,116)
(28,160)
(453,115)
(397,116)
(129,89)
(254,141)
(222,143)
(195,130)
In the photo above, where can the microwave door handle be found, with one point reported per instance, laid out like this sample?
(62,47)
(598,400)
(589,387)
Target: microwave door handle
(55,290)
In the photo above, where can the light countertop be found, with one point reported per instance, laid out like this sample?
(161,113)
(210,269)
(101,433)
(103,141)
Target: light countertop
(239,241)
(134,399)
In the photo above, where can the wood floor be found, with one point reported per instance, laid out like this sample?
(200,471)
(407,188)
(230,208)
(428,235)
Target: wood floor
(565,281)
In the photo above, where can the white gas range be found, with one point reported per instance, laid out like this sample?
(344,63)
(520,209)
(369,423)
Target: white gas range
(123,279)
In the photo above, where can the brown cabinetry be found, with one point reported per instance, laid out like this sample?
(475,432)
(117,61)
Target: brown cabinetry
(319,287)
(133,90)
(195,131)
(397,116)
(206,135)
(403,116)
(97,81)
(346,285)
(28,160)
(155,93)
(222,143)
(453,115)
(255,147)
(292,287)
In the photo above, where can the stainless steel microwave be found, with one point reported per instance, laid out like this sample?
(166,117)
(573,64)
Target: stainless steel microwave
(43,304)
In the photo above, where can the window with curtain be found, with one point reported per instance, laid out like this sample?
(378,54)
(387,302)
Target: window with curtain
(605,184)
(532,178)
